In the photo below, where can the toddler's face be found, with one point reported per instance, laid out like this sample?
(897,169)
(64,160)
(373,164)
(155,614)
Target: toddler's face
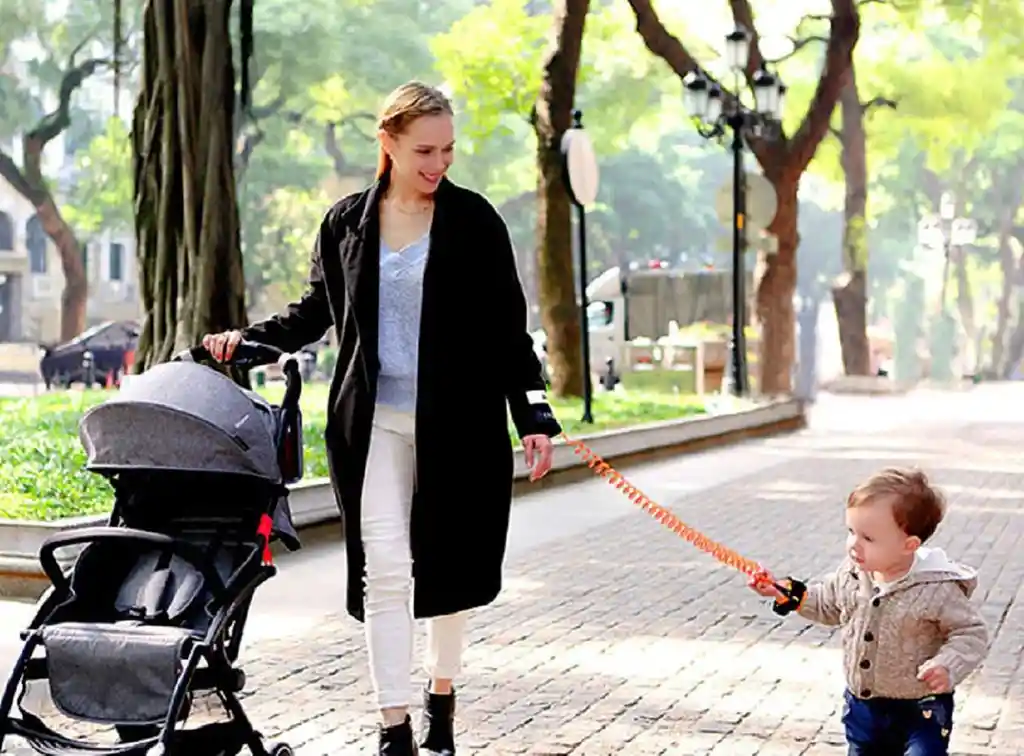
(874,541)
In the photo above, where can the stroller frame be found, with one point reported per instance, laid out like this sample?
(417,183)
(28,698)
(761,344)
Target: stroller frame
(218,647)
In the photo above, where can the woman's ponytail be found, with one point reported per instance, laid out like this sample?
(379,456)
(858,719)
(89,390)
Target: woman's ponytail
(383,161)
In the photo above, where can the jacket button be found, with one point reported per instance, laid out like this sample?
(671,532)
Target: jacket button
(876,602)
(865,693)
(869,636)
(864,664)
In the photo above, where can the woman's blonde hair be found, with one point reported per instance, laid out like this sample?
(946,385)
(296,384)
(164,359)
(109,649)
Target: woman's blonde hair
(404,105)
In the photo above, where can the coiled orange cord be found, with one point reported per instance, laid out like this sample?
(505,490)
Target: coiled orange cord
(723,554)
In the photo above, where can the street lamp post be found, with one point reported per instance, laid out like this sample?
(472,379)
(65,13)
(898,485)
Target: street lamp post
(944,232)
(717,114)
(582,180)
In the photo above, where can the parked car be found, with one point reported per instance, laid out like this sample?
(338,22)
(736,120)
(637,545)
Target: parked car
(104,345)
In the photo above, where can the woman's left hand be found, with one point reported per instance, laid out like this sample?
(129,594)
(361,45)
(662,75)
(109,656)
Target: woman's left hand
(538,449)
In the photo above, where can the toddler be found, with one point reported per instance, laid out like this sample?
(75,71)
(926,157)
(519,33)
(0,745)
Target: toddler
(909,632)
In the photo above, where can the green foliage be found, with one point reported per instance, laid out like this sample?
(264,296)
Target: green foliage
(42,475)
(318,63)
(41,459)
(102,193)
(277,255)
(494,84)
(44,41)
(492,59)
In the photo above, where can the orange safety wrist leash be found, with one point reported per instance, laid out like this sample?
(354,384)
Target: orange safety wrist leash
(793,590)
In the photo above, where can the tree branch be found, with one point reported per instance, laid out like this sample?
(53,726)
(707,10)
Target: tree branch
(516,203)
(53,123)
(250,134)
(259,112)
(877,102)
(660,41)
(10,172)
(799,43)
(743,15)
(843,34)
(859,4)
(351,121)
(342,167)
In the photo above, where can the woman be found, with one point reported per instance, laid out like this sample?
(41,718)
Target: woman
(418,277)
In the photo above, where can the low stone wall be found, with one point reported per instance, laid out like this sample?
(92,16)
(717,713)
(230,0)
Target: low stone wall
(312,502)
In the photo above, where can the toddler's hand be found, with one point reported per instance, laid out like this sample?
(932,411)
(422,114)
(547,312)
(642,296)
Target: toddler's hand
(763,584)
(935,676)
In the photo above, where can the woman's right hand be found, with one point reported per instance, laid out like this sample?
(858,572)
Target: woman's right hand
(222,345)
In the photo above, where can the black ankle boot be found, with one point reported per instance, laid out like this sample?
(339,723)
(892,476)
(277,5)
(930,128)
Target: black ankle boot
(438,723)
(397,740)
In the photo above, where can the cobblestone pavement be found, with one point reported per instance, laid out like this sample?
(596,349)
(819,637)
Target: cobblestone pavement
(626,640)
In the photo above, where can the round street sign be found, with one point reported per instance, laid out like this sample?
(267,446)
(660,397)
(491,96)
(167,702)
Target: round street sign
(580,166)
(761,200)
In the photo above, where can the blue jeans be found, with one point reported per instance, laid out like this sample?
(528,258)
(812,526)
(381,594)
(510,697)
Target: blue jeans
(891,727)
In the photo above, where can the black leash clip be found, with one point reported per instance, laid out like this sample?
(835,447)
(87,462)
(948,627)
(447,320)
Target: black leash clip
(793,594)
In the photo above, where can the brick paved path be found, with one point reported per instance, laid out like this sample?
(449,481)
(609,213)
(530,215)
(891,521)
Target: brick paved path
(628,641)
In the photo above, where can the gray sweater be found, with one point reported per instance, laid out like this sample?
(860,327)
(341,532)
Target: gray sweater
(401,296)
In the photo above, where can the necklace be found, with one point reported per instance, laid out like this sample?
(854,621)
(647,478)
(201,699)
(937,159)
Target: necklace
(420,208)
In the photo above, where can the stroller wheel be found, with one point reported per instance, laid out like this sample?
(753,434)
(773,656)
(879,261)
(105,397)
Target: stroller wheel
(281,749)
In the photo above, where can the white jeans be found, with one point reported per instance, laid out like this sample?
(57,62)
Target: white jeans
(386,507)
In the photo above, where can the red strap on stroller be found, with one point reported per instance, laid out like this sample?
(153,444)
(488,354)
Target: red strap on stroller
(265,529)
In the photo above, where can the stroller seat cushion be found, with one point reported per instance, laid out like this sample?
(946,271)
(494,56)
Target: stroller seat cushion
(114,673)
(159,584)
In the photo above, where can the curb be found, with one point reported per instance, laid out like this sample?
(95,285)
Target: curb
(312,502)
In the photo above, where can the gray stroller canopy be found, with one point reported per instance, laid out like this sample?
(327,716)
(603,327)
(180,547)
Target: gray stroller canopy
(183,417)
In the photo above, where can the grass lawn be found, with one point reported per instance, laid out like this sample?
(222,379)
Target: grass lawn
(42,474)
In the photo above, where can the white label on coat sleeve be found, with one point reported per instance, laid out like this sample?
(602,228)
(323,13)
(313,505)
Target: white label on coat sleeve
(536,397)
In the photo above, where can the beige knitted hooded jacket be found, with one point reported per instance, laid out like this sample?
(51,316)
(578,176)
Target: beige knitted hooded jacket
(889,631)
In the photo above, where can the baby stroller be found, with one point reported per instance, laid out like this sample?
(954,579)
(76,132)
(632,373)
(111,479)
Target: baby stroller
(152,610)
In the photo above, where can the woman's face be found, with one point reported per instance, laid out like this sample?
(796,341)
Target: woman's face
(422,154)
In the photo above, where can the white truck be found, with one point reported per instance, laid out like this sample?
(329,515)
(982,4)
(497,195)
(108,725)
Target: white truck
(641,302)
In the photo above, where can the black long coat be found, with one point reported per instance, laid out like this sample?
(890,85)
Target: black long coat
(475,354)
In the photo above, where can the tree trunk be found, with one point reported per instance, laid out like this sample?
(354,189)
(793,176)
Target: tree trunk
(1006,262)
(1011,194)
(965,303)
(849,293)
(783,162)
(775,293)
(31,184)
(551,118)
(1015,349)
(190,260)
(75,296)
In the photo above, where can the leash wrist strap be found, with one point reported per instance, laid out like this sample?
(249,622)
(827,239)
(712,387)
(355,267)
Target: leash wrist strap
(793,594)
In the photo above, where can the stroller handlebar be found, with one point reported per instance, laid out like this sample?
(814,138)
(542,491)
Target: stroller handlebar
(186,551)
(251,354)
(248,354)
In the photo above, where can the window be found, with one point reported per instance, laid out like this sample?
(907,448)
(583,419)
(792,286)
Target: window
(115,270)
(6,233)
(35,242)
(599,314)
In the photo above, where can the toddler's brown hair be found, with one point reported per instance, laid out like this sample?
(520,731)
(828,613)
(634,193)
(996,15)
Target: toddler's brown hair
(917,506)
